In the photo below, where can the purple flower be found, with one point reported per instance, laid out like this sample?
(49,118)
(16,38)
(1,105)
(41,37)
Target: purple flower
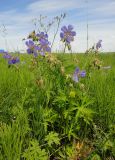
(75,77)
(30,43)
(44,46)
(82,73)
(42,35)
(7,56)
(78,74)
(32,48)
(13,60)
(98,44)
(67,34)
(42,53)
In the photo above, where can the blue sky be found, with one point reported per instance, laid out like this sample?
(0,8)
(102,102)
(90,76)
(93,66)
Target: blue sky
(17,17)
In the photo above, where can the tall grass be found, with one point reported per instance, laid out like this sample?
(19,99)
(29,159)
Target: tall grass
(45,115)
(100,85)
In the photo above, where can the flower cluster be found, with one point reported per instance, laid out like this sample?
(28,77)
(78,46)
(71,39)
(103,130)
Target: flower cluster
(41,47)
(44,46)
(67,35)
(7,56)
(78,74)
(32,48)
(42,35)
(11,59)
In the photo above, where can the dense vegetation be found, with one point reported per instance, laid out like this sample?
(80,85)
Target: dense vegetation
(45,114)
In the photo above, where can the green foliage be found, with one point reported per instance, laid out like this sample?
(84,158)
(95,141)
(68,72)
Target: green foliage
(34,152)
(13,136)
(44,114)
(96,157)
(52,138)
(86,114)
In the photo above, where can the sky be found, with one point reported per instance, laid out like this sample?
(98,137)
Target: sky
(16,22)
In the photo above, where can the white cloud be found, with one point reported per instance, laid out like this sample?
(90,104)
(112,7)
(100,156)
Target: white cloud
(106,9)
(54,5)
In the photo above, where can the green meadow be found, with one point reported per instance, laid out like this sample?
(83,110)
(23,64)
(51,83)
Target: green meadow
(45,115)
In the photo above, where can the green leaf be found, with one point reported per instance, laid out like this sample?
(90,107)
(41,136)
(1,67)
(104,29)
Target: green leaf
(108,145)
(34,152)
(52,138)
(85,113)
